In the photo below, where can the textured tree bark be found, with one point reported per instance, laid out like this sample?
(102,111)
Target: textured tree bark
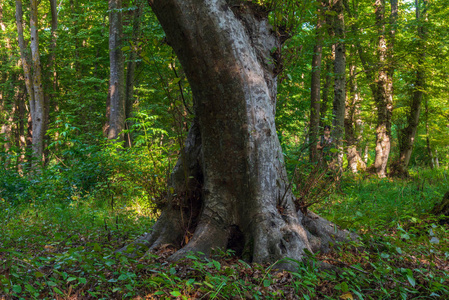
(355,161)
(315,89)
(338,111)
(38,116)
(382,93)
(408,134)
(230,185)
(117,75)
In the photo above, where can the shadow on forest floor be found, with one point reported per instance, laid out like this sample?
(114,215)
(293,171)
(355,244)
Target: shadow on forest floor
(66,251)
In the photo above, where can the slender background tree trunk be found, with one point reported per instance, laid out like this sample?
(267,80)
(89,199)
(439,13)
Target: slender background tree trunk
(355,162)
(117,75)
(340,80)
(130,75)
(315,88)
(408,134)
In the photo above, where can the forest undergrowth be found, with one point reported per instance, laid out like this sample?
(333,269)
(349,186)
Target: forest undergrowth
(66,250)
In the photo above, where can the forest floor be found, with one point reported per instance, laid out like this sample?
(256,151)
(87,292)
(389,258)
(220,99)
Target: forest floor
(65,250)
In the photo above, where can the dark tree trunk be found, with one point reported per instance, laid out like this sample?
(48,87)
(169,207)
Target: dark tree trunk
(129,89)
(19,120)
(326,91)
(315,89)
(50,97)
(407,135)
(429,148)
(230,183)
(338,111)
(117,75)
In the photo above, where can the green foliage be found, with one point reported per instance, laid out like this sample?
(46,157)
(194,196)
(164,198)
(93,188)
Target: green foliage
(53,249)
(59,227)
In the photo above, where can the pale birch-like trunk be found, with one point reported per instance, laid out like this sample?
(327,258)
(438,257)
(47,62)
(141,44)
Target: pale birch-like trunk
(355,161)
(38,116)
(117,75)
(33,80)
(230,185)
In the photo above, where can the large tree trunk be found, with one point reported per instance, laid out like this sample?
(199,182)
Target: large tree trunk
(315,88)
(407,135)
(117,75)
(230,185)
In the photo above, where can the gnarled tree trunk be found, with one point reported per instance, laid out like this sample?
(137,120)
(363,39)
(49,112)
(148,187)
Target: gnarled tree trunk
(230,185)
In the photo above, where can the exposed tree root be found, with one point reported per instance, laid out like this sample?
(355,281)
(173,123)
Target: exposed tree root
(321,232)
(282,242)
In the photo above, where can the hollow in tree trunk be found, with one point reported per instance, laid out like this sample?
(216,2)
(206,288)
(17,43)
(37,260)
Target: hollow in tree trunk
(229,188)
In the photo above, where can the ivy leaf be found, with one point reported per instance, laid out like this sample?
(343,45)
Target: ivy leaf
(175,293)
(411,280)
(17,288)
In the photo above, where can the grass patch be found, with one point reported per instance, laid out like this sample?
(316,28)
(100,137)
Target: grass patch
(59,250)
